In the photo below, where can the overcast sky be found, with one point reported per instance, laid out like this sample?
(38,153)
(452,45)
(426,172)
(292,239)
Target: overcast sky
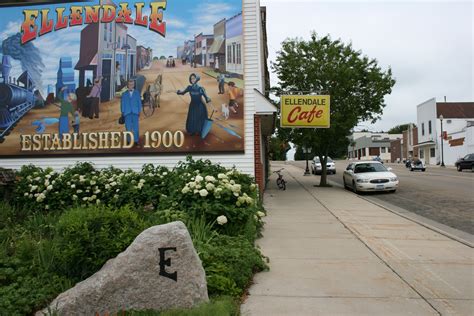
(428,44)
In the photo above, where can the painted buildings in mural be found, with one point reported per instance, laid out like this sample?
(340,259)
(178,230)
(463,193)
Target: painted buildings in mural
(221,51)
(92,72)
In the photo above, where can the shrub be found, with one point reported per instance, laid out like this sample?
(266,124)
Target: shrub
(88,237)
(230,263)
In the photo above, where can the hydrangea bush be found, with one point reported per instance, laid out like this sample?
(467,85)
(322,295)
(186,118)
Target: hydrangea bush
(197,188)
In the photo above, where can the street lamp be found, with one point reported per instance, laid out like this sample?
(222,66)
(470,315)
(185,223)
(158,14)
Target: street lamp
(442,140)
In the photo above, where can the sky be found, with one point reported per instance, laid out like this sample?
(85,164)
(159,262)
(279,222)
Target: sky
(428,44)
(184,20)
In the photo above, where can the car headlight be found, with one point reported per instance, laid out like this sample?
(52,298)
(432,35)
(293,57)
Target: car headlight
(362,180)
(394,179)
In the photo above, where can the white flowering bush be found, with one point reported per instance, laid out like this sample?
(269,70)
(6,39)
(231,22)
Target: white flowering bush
(197,188)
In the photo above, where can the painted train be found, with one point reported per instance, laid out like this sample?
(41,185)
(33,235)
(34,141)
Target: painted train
(17,97)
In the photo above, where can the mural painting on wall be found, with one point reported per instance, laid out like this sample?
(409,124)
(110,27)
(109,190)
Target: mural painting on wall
(121,77)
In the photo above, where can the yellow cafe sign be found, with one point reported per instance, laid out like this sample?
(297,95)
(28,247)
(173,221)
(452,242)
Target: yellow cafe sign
(311,111)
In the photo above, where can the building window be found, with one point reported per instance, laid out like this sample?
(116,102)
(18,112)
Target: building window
(429,127)
(422,129)
(382,150)
(229,54)
(239,55)
(388,150)
(233,53)
(432,152)
(105,32)
(422,153)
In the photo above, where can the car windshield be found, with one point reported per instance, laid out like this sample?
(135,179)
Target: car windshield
(316,159)
(369,167)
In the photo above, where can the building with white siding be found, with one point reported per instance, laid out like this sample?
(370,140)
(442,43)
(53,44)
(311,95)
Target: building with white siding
(458,130)
(248,57)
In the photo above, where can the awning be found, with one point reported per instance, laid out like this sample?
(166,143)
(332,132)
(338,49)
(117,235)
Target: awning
(216,46)
(425,144)
(267,113)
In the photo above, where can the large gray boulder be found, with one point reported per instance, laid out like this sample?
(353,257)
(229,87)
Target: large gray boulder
(160,270)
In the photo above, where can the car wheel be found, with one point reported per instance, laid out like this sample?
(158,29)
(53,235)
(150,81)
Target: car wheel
(354,188)
(334,172)
(459,168)
(392,191)
(423,169)
(411,169)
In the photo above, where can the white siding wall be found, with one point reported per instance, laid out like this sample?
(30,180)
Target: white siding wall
(426,112)
(244,162)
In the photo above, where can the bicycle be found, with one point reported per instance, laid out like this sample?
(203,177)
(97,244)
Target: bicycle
(281,183)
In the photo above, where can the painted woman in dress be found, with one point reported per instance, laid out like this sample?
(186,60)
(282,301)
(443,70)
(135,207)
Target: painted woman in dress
(197,113)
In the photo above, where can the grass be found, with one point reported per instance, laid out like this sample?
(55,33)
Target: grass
(221,306)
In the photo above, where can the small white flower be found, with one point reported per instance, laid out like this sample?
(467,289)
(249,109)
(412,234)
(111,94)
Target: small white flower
(97,202)
(203,192)
(47,207)
(48,176)
(26,194)
(74,197)
(73,186)
(118,190)
(49,188)
(53,182)
(68,183)
(165,173)
(40,198)
(199,178)
(107,186)
(210,179)
(85,198)
(253,186)
(79,191)
(260,214)
(97,191)
(222,220)
(185,190)
(221,176)
(210,186)
(33,188)
(37,178)
(142,180)
(93,182)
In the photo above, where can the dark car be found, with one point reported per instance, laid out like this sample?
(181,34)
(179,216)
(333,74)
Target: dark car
(465,163)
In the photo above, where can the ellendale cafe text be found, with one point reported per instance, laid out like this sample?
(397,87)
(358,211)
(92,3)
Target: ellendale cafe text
(305,111)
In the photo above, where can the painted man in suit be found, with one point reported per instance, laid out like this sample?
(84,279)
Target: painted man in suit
(131,106)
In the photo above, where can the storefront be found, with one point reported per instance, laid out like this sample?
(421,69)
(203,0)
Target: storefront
(233,132)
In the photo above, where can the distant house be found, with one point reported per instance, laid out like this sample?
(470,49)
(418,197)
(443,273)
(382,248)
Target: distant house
(234,40)
(368,145)
(406,147)
(457,137)
(65,76)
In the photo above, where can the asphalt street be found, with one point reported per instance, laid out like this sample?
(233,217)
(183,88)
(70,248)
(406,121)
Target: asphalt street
(439,194)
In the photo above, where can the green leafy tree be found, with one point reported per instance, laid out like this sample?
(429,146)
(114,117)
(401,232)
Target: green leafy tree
(356,84)
(399,128)
(278,148)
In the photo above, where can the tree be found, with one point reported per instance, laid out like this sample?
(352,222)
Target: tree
(356,84)
(399,128)
(278,149)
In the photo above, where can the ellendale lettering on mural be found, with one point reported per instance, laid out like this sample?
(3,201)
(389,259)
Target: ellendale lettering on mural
(109,13)
(98,141)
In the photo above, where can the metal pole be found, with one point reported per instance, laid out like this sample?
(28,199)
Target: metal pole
(442,141)
(306,172)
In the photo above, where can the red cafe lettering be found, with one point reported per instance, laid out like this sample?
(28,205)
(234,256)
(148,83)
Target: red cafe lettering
(298,114)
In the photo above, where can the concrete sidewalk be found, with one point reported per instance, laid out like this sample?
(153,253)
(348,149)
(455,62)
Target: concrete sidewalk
(333,253)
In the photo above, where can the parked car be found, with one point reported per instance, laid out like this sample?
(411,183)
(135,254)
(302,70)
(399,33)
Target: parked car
(369,176)
(316,167)
(377,158)
(417,165)
(465,163)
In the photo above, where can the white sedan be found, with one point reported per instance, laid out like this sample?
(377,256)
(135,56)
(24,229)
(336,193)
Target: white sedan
(369,176)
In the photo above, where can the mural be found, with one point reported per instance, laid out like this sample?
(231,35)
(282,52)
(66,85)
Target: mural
(121,77)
